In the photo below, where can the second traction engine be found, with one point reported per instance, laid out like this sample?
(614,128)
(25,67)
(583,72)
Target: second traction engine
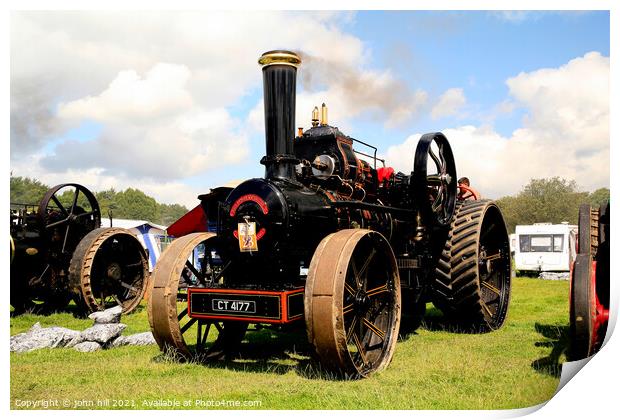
(331,236)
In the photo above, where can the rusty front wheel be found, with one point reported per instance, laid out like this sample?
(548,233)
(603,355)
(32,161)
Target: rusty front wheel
(190,261)
(352,302)
(109,267)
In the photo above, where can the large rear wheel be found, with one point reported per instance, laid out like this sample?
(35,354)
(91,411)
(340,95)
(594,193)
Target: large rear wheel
(352,302)
(473,276)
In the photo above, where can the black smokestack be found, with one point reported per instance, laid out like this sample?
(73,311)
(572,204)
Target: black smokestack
(279,83)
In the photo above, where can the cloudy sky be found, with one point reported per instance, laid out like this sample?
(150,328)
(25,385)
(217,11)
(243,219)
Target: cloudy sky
(171,103)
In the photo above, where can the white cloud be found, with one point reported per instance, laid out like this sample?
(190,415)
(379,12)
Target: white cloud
(151,129)
(449,103)
(162,84)
(71,56)
(572,100)
(565,132)
(85,50)
(131,98)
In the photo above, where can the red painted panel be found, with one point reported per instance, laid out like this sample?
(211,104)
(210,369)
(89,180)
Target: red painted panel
(193,221)
(284,319)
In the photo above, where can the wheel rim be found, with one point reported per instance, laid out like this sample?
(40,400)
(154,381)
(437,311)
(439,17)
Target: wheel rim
(109,268)
(434,179)
(353,302)
(582,308)
(180,266)
(494,268)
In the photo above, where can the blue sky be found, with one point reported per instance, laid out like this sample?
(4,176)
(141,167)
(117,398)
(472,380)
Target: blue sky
(479,50)
(470,54)
(475,50)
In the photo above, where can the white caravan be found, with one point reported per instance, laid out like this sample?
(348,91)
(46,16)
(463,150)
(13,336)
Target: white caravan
(544,247)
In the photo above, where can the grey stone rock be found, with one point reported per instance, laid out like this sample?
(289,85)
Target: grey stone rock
(39,338)
(119,341)
(549,275)
(88,346)
(19,344)
(108,316)
(102,333)
(140,339)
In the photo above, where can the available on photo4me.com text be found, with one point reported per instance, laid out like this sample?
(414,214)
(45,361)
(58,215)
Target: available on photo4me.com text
(142,404)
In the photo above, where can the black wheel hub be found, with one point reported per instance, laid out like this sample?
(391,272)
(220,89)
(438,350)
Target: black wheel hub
(362,302)
(114,272)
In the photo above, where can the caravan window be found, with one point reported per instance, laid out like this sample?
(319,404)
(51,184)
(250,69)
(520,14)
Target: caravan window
(524,243)
(541,243)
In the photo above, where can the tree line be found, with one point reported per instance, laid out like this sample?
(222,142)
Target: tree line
(552,200)
(128,204)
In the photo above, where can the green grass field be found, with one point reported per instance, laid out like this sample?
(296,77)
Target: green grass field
(434,368)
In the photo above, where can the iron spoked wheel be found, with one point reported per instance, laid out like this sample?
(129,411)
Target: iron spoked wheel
(109,268)
(64,219)
(352,302)
(582,308)
(188,261)
(434,185)
(472,277)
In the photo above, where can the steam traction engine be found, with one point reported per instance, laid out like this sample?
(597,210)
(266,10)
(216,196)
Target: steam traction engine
(589,285)
(331,239)
(60,253)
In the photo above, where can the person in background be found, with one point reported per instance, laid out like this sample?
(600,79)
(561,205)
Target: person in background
(466,192)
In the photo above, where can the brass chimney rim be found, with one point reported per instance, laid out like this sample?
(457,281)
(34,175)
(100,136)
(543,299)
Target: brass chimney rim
(279,57)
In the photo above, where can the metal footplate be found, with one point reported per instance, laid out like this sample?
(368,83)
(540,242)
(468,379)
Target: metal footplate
(264,306)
